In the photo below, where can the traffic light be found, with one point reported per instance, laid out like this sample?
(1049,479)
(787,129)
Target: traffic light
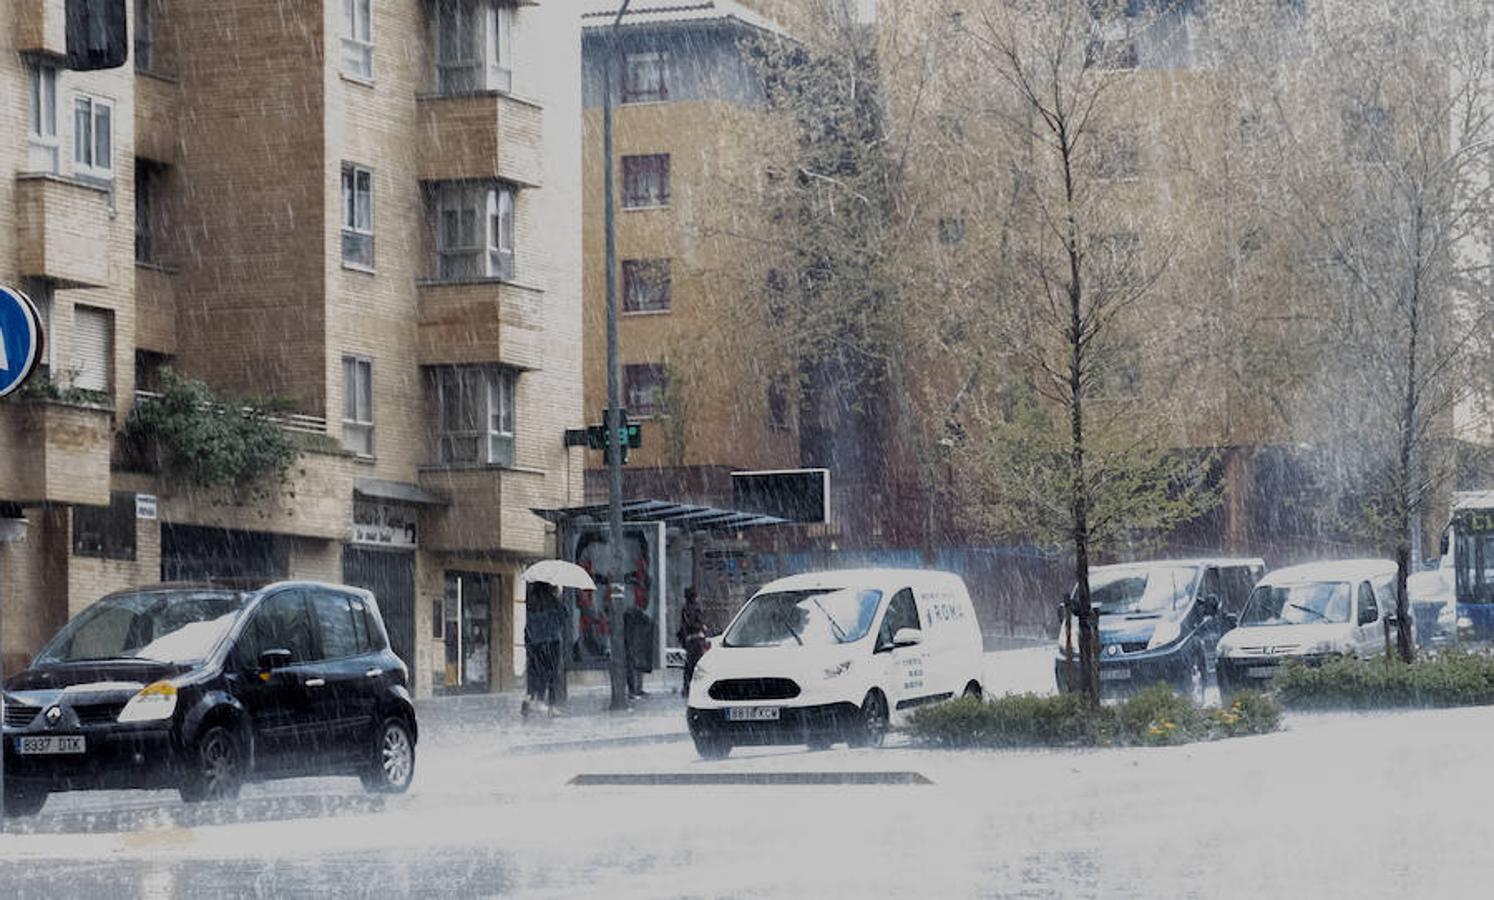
(97,34)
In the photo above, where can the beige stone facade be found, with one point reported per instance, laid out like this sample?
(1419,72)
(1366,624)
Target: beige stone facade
(243,118)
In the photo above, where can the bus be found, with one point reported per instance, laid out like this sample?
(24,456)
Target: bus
(1468,566)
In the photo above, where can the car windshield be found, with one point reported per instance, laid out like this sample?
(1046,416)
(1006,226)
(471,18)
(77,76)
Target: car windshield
(1298,604)
(822,616)
(1138,589)
(156,626)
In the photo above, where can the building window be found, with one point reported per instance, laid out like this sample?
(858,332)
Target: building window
(357,405)
(778,403)
(643,390)
(106,532)
(357,38)
(357,216)
(93,137)
(1367,133)
(93,349)
(148,195)
(145,35)
(645,180)
(475,231)
(1117,155)
(43,132)
(474,46)
(40,292)
(475,414)
(646,285)
(645,78)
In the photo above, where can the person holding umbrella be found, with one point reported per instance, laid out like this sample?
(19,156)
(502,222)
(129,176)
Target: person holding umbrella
(544,626)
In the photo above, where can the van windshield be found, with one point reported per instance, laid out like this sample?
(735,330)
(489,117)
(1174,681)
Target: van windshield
(1297,604)
(1141,589)
(820,617)
(158,626)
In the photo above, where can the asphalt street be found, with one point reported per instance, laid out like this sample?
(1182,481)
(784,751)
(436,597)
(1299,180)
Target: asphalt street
(1337,805)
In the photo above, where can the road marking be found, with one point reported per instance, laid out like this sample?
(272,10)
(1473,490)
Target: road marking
(652,779)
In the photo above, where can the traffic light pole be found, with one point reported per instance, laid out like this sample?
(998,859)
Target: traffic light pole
(617,647)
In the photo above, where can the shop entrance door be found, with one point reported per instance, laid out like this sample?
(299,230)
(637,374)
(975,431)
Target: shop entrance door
(390,575)
(468,631)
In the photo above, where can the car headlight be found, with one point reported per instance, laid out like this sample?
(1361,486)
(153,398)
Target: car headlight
(837,671)
(154,702)
(1465,622)
(1324,647)
(1165,633)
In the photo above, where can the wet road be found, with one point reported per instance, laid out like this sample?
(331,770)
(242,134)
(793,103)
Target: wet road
(1374,806)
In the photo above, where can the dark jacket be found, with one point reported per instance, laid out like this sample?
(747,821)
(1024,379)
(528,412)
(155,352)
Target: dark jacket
(638,634)
(692,624)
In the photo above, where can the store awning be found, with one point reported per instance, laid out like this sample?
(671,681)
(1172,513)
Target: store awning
(682,515)
(396,492)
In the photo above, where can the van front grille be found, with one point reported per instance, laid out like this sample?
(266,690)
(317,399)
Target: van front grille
(18,716)
(754,689)
(98,713)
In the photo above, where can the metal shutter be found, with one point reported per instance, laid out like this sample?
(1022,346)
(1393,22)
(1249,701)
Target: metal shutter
(92,349)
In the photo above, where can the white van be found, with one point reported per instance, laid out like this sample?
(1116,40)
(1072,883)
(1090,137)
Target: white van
(1309,612)
(829,656)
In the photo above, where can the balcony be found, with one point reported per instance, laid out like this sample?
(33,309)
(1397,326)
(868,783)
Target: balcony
(55,452)
(61,224)
(486,321)
(41,26)
(490,510)
(157,107)
(481,136)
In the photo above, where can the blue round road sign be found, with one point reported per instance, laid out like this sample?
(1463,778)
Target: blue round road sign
(20,339)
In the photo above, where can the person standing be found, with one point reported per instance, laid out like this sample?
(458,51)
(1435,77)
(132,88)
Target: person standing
(691,635)
(543,631)
(637,639)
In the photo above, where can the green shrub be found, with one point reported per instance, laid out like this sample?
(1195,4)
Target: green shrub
(1444,679)
(1155,717)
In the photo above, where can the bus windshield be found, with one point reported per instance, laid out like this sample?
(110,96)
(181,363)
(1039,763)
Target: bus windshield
(1473,556)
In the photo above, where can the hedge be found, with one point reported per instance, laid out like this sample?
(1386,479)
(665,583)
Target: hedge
(1156,716)
(1450,678)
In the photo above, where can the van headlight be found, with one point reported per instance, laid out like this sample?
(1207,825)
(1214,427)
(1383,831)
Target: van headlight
(1165,633)
(1323,647)
(837,671)
(154,702)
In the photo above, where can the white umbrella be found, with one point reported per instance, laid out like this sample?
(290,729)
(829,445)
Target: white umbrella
(560,573)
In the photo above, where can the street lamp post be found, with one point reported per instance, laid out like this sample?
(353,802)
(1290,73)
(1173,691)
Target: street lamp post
(617,646)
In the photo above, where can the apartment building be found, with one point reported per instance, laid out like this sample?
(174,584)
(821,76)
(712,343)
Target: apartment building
(685,96)
(369,210)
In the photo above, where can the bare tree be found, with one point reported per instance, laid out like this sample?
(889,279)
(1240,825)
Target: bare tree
(1386,130)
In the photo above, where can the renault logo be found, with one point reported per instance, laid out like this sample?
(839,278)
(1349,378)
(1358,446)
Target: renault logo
(53,716)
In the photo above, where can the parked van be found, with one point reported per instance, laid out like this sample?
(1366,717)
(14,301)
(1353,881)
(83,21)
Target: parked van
(831,656)
(1309,612)
(1160,621)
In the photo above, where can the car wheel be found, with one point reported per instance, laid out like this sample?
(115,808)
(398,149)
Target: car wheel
(870,729)
(24,801)
(216,768)
(711,746)
(393,764)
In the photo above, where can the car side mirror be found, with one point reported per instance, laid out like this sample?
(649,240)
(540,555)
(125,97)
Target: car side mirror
(1442,545)
(907,637)
(1231,620)
(1209,603)
(270,660)
(1368,616)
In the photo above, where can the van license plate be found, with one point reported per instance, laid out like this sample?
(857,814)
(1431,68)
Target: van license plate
(1115,674)
(49,744)
(1260,671)
(752,714)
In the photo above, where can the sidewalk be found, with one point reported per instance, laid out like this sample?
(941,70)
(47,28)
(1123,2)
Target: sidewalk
(585,720)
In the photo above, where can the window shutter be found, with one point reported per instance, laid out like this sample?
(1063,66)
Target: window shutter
(93,349)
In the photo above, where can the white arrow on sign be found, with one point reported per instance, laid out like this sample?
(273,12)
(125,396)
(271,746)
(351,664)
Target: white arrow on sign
(4,362)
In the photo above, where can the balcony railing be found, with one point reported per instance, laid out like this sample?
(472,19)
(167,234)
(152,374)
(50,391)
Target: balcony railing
(296,422)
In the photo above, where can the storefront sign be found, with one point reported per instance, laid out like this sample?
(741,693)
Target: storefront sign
(384,524)
(145,506)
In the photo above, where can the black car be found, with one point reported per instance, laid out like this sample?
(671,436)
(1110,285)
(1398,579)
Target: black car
(201,687)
